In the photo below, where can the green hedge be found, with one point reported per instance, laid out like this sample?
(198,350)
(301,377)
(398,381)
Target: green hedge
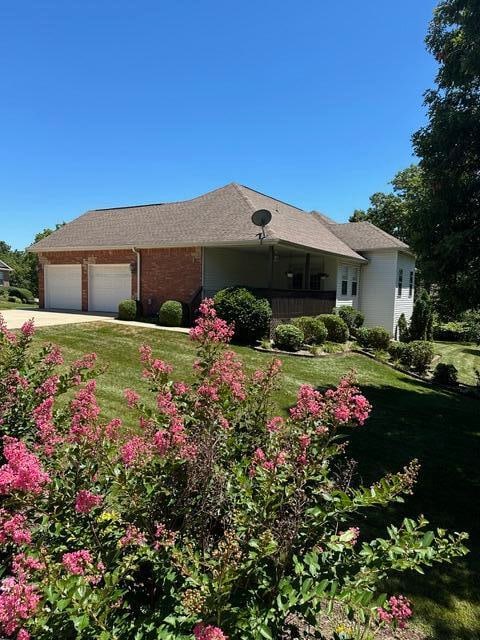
(171,314)
(288,337)
(314,330)
(353,318)
(336,327)
(127,310)
(446,374)
(451,332)
(418,355)
(376,338)
(250,315)
(23,294)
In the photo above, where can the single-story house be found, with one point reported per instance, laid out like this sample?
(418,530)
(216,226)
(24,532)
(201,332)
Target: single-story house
(5,272)
(303,262)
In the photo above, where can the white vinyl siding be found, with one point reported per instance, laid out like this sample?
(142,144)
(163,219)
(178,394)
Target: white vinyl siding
(63,286)
(404,302)
(108,284)
(348,285)
(378,283)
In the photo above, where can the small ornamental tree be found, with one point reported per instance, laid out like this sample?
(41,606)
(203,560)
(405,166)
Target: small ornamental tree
(421,322)
(212,518)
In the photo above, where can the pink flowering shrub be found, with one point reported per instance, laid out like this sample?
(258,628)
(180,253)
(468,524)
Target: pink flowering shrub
(210,519)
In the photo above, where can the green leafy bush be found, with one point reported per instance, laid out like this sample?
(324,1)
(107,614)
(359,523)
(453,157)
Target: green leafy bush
(421,322)
(451,332)
(336,327)
(314,330)
(446,374)
(396,350)
(111,531)
(25,295)
(418,355)
(353,318)
(376,338)
(471,320)
(250,315)
(14,299)
(288,337)
(127,310)
(402,326)
(171,314)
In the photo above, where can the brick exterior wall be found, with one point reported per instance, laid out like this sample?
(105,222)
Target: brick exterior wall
(165,274)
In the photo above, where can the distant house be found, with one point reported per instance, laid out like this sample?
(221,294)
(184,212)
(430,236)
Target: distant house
(5,272)
(305,265)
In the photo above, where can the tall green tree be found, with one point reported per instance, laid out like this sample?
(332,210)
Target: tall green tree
(394,212)
(446,233)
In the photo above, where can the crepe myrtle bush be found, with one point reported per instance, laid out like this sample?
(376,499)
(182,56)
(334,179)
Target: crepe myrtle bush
(211,518)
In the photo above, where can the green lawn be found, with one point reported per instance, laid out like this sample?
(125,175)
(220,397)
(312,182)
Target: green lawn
(410,420)
(465,356)
(4,304)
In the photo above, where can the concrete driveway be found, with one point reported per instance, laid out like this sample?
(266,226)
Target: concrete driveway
(16,317)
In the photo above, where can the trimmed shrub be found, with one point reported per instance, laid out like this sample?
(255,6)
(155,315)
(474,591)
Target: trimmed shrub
(14,299)
(171,313)
(376,338)
(127,310)
(314,330)
(422,318)
(446,374)
(288,337)
(396,350)
(451,332)
(402,326)
(336,327)
(250,315)
(418,355)
(24,294)
(353,318)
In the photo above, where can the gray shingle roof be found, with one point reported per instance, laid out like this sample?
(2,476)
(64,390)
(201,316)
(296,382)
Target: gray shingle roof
(364,236)
(219,217)
(4,266)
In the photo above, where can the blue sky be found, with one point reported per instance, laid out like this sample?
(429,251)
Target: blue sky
(116,103)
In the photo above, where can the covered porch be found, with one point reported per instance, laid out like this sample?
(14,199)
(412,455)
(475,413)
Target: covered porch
(295,281)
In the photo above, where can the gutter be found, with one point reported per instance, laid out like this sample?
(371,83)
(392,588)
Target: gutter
(137,253)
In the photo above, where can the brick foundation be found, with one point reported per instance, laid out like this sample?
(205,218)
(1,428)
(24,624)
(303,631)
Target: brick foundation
(165,274)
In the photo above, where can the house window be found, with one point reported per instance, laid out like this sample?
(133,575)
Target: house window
(400,282)
(2,276)
(297,280)
(354,282)
(315,281)
(344,281)
(410,285)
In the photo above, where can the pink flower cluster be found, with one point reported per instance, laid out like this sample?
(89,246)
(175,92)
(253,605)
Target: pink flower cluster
(47,432)
(133,537)
(227,371)
(155,369)
(131,397)
(53,356)
(208,632)
(399,611)
(209,327)
(23,566)
(77,562)
(18,602)
(14,529)
(4,331)
(343,405)
(85,411)
(22,471)
(86,501)
(135,450)
(267,464)
(276,424)
(164,537)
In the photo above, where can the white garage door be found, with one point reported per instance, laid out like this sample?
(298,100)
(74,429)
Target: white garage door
(63,286)
(108,284)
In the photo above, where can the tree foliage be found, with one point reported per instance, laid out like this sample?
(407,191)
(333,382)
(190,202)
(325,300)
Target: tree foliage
(446,233)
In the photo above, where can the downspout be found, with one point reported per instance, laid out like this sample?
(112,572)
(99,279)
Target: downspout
(137,253)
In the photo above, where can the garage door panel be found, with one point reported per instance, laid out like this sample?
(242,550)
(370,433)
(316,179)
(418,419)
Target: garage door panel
(63,287)
(108,285)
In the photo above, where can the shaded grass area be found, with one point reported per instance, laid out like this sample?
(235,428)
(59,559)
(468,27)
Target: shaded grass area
(464,355)
(410,420)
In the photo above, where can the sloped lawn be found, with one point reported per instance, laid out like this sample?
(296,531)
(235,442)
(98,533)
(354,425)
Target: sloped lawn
(464,355)
(410,420)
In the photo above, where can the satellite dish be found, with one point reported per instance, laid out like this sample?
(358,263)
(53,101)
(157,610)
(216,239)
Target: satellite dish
(261,217)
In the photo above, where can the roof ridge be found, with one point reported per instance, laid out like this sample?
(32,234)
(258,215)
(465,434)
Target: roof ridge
(265,195)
